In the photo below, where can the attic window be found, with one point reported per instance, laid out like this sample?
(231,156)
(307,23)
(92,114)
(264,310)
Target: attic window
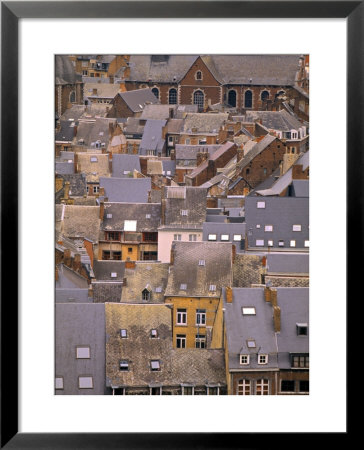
(83,353)
(183,287)
(130,225)
(296,228)
(260,205)
(59,383)
(237,237)
(126,172)
(248,311)
(123,333)
(124,365)
(262,359)
(212,287)
(93,159)
(147,216)
(109,216)
(281,243)
(153,334)
(113,274)
(158,289)
(250,343)
(301,329)
(244,359)
(184,212)
(201,262)
(146,294)
(224,237)
(212,237)
(155,365)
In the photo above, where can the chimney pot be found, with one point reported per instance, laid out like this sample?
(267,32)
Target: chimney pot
(277,318)
(229,294)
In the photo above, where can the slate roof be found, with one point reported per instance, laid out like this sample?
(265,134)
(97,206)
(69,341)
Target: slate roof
(133,126)
(106,291)
(154,167)
(169,166)
(195,366)
(68,279)
(72,295)
(152,136)
(274,120)
(247,270)
(93,169)
(104,90)
(138,98)
(174,126)
(204,122)
(182,110)
(224,148)
(126,189)
(64,71)
(77,184)
(104,269)
(64,167)
(258,327)
(93,131)
(198,278)
(222,229)
(132,211)
(67,131)
(255,151)
(81,324)
(124,163)
(157,112)
(145,275)
(185,198)
(292,263)
(82,222)
(300,188)
(294,304)
(190,151)
(83,112)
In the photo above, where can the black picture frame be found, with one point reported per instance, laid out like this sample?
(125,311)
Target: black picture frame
(11,12)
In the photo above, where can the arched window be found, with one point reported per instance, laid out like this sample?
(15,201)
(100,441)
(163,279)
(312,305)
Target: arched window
(244,387)
(198,99)
(248,99)
(280,94)
(146,295)
(73,97)
(264,96)
(172,96)
(262,387)
(156,92)
(199,75)
(232,98)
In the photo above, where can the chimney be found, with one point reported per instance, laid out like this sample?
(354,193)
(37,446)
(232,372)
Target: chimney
(102,207)
(172,255)
(277,318)
(233,254)
(67,257)
(229,294)
(163,211)
(102,191)
(77,262)
(94,91)
(267,294)
(66,190)
(124,282)
(90,291)
(173,154)
(56,274)
(129,265)
(239,154)
(111,128)
(201,157)
(273,297)
(149,197)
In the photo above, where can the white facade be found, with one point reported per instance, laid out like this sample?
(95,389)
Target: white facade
(167,236)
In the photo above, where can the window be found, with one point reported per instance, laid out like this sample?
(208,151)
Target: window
(264,96)
(130,250)
(258,225)
(187,390)
(244,387)
(301,329)
(281,243)
(307,243)
(300,361)
(287,386)
(232,98)
(201,262)
(304,386)
(85,382)
(181,341)
(268,228)
(96,189)
(109,216)
(155,365)
(181,316)
(270,243)
(244,359)
(212,237)
(73,97)
(248,311)
(130,225)
(59,383)
(192,237)
(93,159)
(200,316)
(146,294)
(113,274)
(177,237)
(156,92)
(113,236)
(250,343)
(124,365)
(200,341)
(147,216)
(116,256)
(212,287)
(248,99)
(237,237)
(188,141)
(172,96)
(213,390)
(198,99)
(106,254)
(259,242)
(183,286)
(296,228)
(224,237)
(198,75)
(123,333)
(153,334)
(83,352)
(260,205)
(126,172)
(292,243)
(262,359)
(184,212)
(262,387)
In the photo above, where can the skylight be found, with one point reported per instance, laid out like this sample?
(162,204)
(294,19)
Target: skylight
(250,343)
(183,287)
(248,311)
(130,225)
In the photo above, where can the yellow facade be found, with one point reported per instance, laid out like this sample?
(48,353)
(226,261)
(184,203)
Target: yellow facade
(212,326)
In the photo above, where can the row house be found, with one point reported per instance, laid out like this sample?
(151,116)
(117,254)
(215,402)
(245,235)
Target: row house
(129,231)
(198,272)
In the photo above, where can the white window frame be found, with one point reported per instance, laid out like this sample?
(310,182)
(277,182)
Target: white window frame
(96,189)
(157,364)
(292,243)
(201,317)
(246,358)
(181,316)
(296,227)
(281,243)
(237,237)
(184,212)
(248,310)
(268,228)
(224,237)
(262,359)
(261,205)
(79,350)
(182,338)
(61,386)
(211,238)
(262,382)
(199,340)
(259,242)
(270,243)
(307,243)
(123,333)
(84,378)
(192,237)
(244,385)
(189,387)
(177,237)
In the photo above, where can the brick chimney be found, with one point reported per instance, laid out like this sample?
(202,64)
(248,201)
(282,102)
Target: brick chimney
(273,297)
(173,154)
(277,318)
(202,157)
(67,257)
(240,153)
(267,294)
(229,294)
(102,207)
(163,209)
(66,190)
(124,282)
(172,255)
(77,263)
(56,274)
(129,265)
(102,191)
(233,254)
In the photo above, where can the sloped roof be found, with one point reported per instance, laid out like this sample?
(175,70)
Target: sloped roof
(255,151)
(64,71)
(66,133)
(138,98)
(204,122)
(126,189)
(185,198)
(198,278)
(274,120)
(96,130)
(132,211)
(93,165)
(104,269)
(224,148)
(288,263)
(124,163)
(82,222)
(103,90)
(190,151)
(156,112)
(152,136)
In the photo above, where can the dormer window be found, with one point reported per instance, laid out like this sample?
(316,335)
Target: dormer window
(113,274)
(201,262)
(302,329)
(146,294)
(124,365)
(153,334)
(155,365)
(184,212)
(123,333)
(198,75)
(183,287)
(244,360)
(262,359)
(212,288)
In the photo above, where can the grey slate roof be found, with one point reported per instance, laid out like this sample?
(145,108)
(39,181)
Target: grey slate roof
(138,99)
(274,120)
(126,189)
(186,269)
(204,122)
(104,269)
(294,304)
(282,213)
(81,222)
(182,110)
(106,291)
(169,166)
(64,70)
(222,229)
(124,163)
(259,327)
(81,324)
(94,131)
(133,127)
(300,188)
(152,136)
(157,112)
(77,184)
(292,263)
(104,90)
(185,198)
(132,211)
(145,275)
(190,151)
(68,279)
(71,295)
(67,131)
(224,148)
(64,167)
